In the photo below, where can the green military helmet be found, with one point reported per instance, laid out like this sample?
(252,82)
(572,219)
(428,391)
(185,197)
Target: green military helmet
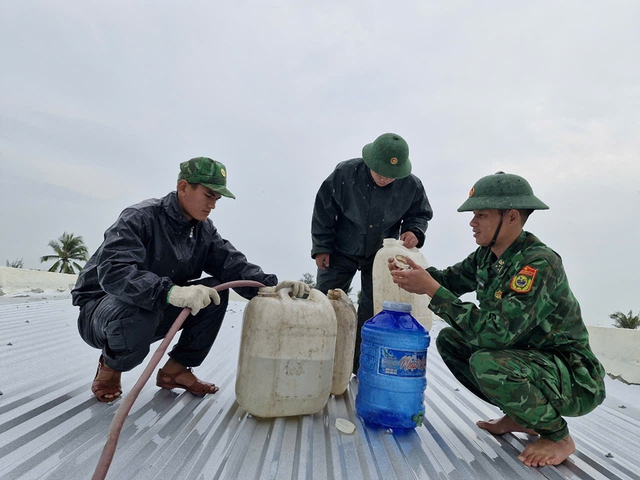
(502,191)
(208,173)
(388,156)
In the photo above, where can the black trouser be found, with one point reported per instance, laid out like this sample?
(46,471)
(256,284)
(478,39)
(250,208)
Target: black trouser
(340,273)
(125,332)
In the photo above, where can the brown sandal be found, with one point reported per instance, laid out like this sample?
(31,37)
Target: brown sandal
(106,382)
(192,385)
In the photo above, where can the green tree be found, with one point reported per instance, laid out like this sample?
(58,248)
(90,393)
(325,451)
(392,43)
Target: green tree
(620,320)
(16,263)
(308,279)
(69,249)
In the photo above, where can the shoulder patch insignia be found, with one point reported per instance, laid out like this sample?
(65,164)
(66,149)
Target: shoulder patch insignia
(523,281)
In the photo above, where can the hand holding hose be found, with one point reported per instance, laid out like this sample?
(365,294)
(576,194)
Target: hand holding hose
(117,423)
(195,297)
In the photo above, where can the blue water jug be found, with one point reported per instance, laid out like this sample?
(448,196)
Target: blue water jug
(392,374)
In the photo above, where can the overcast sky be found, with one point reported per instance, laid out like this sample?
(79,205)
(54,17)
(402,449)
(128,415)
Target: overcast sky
(101,101)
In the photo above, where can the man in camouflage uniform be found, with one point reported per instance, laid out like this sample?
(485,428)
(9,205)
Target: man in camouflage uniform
(525,347)
(149,267)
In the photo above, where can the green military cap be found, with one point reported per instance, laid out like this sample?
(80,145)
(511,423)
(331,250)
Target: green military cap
(502,191)
(208,173)
(388,156)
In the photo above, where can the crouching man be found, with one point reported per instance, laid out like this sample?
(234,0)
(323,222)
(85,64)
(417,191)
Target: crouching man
(148,268)
(525,347)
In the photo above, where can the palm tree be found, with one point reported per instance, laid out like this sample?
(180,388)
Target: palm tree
(68,248)
(620,320)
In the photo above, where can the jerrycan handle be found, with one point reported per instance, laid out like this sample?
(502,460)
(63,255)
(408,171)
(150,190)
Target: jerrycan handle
(285,295)
(396,242)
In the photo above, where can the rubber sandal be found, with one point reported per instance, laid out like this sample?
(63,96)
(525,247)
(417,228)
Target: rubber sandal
(106,382)
(192,384)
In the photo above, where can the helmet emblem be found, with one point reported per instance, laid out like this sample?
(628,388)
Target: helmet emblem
(471,192)
(393,161)
(222,172)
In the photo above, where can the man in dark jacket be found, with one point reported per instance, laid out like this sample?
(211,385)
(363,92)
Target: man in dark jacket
(524,348)
(364,201)
(148,268)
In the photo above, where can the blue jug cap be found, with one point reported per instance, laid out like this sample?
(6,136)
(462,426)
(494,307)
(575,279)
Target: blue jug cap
(397,306)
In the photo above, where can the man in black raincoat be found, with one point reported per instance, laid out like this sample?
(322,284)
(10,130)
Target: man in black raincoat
(364,201)
(148,268)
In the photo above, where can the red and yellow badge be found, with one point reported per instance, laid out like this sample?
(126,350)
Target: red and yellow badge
(523,281)
(498,294)
(393,161)
(472,191)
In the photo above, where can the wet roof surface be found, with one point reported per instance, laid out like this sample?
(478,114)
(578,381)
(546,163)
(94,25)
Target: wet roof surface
(51,426)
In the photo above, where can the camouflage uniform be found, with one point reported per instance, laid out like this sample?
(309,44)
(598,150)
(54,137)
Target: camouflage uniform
(525,347)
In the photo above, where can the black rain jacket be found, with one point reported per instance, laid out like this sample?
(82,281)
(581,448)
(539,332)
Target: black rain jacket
(151,247)
(352,215)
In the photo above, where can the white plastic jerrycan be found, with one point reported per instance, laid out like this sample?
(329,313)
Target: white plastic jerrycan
(385,290)
(285,365)
(345,341)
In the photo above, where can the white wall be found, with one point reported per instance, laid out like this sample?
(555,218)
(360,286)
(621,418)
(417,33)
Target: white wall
(17,280)
(619,351)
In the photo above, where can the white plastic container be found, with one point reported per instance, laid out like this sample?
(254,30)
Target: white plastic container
(345,341)
(285,366)
(385,290)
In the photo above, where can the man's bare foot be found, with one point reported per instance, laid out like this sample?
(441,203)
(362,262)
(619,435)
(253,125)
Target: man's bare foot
(503,425)
(547,452)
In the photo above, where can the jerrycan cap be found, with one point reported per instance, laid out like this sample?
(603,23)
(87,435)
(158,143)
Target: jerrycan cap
(397,306)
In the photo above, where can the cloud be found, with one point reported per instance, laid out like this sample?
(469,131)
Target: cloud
(101,102)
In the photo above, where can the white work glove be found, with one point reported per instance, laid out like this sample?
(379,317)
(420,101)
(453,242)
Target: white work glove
(298,289)
(195,297)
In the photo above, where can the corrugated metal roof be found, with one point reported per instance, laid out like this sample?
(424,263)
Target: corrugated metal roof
(51,427)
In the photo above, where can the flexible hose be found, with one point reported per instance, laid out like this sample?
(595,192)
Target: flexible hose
(109,449)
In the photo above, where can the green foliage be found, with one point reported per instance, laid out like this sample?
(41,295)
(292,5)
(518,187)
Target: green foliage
(69,249)
(16,263)
(620,320)
(308,279)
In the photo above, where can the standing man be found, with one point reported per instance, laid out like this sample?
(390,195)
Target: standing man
(364,201)
(525,347)
(148,268)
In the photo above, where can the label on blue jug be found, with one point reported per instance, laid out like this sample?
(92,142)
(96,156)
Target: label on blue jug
(402,363)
